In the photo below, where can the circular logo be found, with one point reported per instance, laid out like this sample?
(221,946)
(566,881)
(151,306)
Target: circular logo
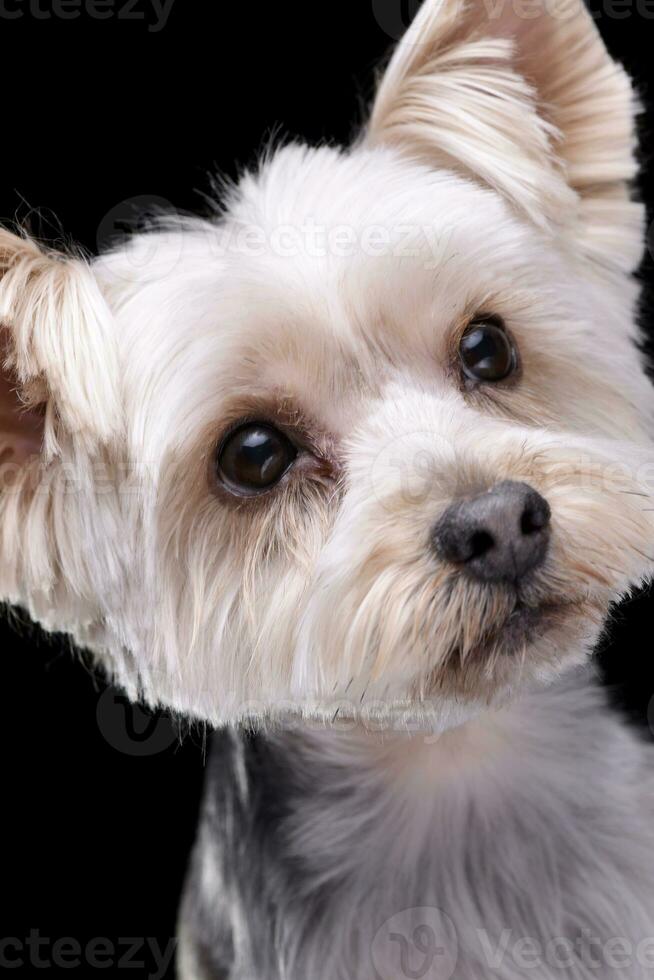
(416,944)
(156,255)
(408,468)
(131,728)
(395,17)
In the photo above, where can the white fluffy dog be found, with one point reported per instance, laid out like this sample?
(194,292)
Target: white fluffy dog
(368,455)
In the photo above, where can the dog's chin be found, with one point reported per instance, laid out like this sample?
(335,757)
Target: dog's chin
(527,624)
(531,647)
(534,643)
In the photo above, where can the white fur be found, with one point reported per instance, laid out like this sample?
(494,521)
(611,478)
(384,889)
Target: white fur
(360,345)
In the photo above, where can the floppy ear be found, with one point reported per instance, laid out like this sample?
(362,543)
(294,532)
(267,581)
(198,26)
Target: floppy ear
(522,95)
(57,349)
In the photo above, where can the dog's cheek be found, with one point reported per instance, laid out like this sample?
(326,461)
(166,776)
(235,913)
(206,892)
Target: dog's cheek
(230,579)
(603,539)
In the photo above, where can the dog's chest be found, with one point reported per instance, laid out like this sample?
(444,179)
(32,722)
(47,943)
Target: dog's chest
(323,855)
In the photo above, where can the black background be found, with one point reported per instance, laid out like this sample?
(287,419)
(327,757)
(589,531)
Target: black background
(96,113)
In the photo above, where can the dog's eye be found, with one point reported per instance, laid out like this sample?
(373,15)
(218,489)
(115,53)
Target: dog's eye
(254,457)
(486,351)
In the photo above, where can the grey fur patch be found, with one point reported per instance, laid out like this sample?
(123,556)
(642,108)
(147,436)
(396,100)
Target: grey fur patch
(307,852)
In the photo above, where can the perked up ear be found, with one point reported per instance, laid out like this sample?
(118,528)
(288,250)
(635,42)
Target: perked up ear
(58,350)
(523,96)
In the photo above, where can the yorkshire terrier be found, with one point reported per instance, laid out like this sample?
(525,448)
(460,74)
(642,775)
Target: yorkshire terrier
(353,472)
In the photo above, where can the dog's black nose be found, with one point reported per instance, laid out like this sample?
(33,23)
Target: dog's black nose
(498,536)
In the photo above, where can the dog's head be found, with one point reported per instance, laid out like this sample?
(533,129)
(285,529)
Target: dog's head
(379,434)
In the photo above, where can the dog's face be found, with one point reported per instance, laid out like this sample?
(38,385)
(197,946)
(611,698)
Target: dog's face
(379,436)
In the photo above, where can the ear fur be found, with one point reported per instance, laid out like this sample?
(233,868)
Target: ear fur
(59,348)
(523,96)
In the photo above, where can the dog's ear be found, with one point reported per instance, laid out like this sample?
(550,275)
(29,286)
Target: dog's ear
(522,95)
(57,348)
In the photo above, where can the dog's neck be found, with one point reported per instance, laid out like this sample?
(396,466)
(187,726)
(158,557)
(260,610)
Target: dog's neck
(301,827)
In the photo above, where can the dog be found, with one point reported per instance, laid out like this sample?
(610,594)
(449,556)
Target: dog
(352,471)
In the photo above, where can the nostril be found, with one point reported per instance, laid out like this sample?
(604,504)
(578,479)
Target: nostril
(530,522)
(535,517)
(479,543)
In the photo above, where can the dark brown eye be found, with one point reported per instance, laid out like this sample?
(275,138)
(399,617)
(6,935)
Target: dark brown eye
(254,457)
(486,351)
